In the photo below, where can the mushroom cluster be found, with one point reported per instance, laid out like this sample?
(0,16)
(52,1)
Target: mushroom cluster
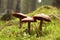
(25,18)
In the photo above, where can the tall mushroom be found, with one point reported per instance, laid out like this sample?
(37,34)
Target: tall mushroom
(42,17)
(29,20)
(20,16)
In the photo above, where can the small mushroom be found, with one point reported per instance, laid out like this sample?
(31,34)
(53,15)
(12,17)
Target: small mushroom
(42,17)
(20,16)
(29,20)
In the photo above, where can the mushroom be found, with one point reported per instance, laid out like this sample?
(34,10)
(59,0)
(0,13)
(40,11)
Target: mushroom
(42,17)
(29,20)
(20,16)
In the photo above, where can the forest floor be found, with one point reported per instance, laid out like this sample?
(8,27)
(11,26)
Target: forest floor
(9,30)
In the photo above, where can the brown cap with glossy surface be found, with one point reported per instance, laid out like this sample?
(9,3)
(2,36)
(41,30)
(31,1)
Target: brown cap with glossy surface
(28,19)
(18,15)
(42,17)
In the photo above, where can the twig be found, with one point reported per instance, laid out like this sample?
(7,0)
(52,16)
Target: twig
(56,16)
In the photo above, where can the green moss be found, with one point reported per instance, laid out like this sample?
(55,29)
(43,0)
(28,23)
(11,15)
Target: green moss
(44,9)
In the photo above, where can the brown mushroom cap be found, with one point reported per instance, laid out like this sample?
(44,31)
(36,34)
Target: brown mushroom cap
(28,19)
(18,15)
(42,16)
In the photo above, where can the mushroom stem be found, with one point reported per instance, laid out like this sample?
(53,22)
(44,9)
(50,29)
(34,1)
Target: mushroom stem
(41,22)
(20,23)
(29,27)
